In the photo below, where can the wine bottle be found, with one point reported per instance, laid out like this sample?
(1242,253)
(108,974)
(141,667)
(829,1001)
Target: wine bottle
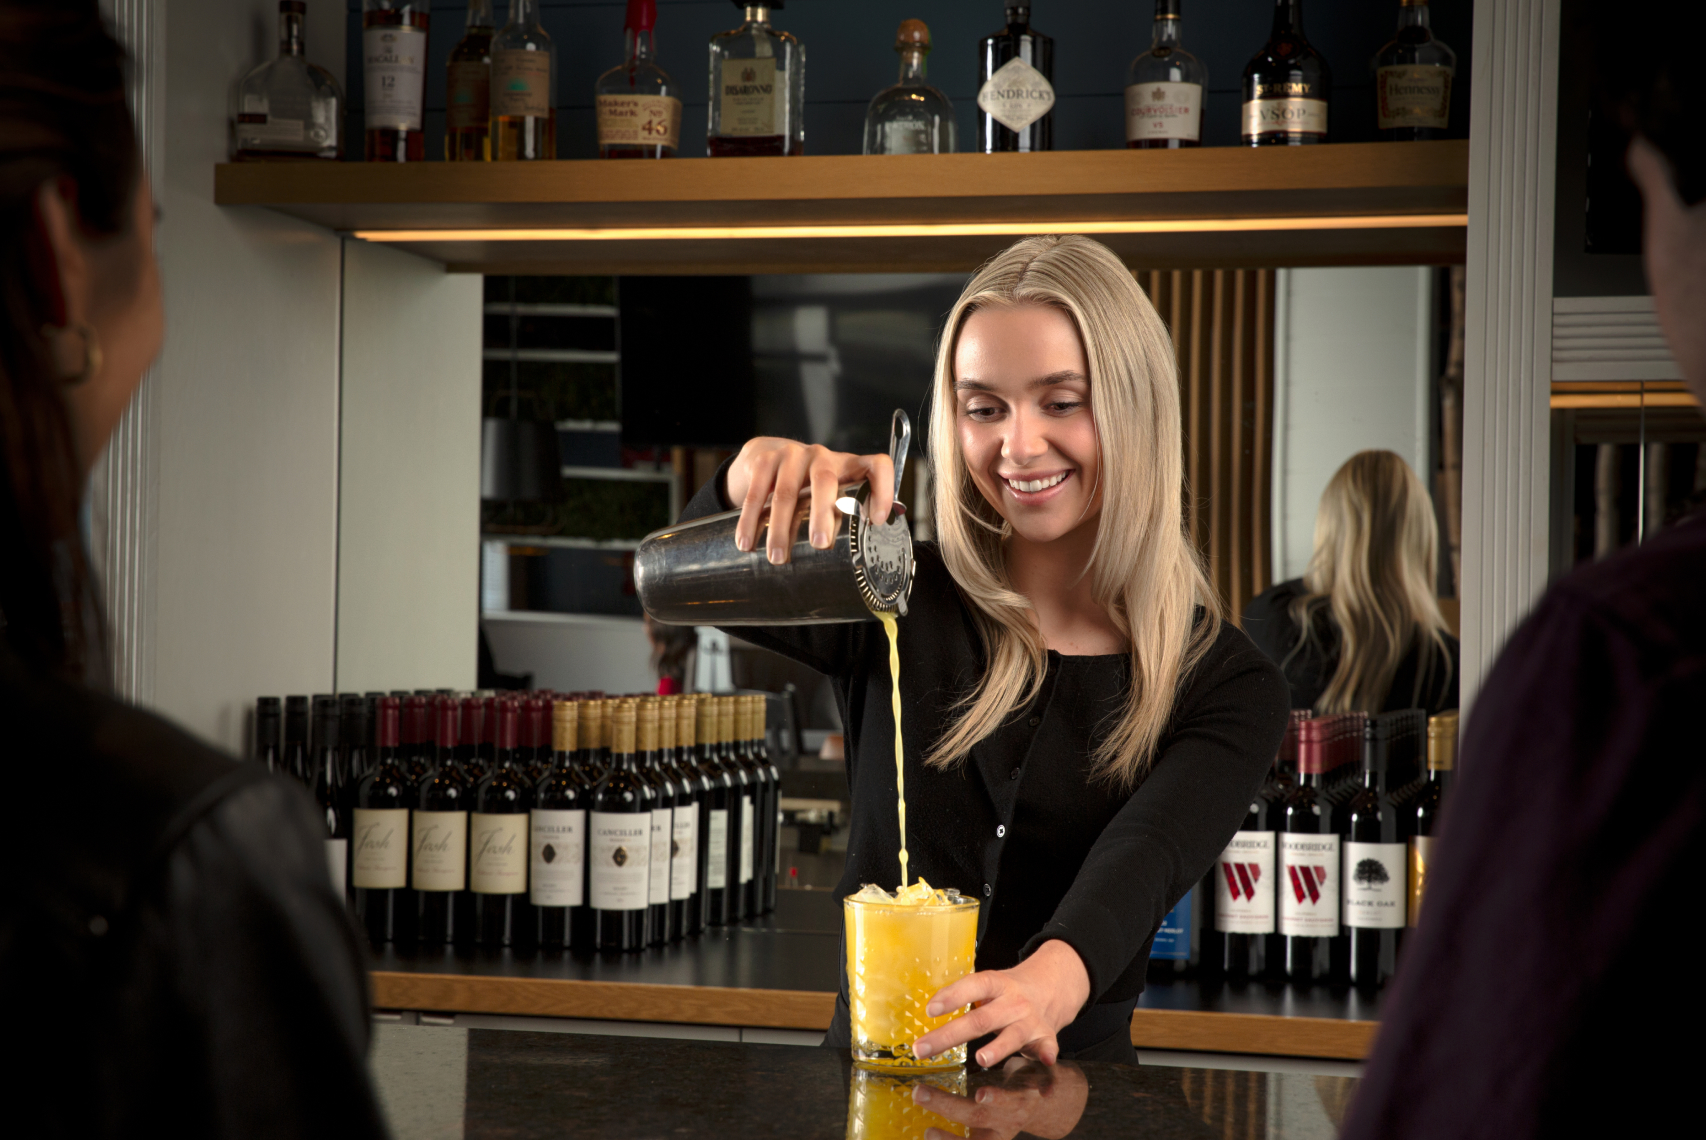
(740,809)
(557,869)
(1442,758)
(535,754)
(468,89)
(296,739)
(524,87)
(1309,856)
(638,104)
(1373,879)
(379,839)
(650,763)
(1286,85)
(619,828)
(758,792)
(1164,89)
(417,735)
(1015,98)
(687,877)
(394,55)
(758,91)
(720,819)
(684,820)
(1412,79)
(355,736)
(330,789)
(439,841)
(268,748)
(773,813)
(497,845)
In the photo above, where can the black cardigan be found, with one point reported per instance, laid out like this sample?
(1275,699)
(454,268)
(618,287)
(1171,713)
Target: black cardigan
(1051,853)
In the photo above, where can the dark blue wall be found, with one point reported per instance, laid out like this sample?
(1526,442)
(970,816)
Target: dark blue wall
(849,58)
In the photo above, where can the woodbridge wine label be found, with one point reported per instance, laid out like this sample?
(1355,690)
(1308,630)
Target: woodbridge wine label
(1244,885)
(1309,886)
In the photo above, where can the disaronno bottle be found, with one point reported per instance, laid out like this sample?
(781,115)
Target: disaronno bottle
(1015,97)
(639,106)
(758,90)
(1164,89)
(1286,86)
(1412,79)
(524,84)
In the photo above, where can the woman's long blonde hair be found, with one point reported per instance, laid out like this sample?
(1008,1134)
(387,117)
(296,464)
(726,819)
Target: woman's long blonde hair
(1373,572)
(1144,571)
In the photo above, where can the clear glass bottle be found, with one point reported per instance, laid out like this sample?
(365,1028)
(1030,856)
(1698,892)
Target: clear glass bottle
(639,105)
(1015,96)
(1164,89)
(1412,79)
(911,117)
(758,90)
(287,107)
(524,86)
(468,89)
(393,58)
(1286,86)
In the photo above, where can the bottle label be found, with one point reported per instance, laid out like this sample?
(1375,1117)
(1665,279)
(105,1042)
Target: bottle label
(746,840)
(381,859)
(469,96)
(1375,886)
(717,851)
(1244,885)
(1421,851)
(337,858)
(521,84)
(1163,111)
(750,100)
(1016,96)
(1309,886)
(684,853)
(1173,939)
(497,853)
(663,826)
(558,870)
(259,130)
(619,853)
(639,120)
(1414,95)
(1287,116)
(394,66)
(441,851)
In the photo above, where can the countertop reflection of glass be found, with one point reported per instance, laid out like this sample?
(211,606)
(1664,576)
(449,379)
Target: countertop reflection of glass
(453,1082)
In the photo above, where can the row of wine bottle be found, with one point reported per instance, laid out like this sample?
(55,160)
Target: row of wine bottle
(631,822)
(1327,872)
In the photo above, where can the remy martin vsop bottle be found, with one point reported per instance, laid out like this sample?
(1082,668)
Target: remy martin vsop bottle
(1286,86)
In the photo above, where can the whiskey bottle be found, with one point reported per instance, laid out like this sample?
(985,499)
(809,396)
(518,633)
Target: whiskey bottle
(468,88)
(639,105)
(1412,79)
(1164,89)
(911,117)
(287,107)
(393,57)
(524,85)
(1286,85)
(1015,97)
(758,90)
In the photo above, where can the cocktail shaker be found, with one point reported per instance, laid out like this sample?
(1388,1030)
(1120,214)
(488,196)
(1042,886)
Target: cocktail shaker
(694,574)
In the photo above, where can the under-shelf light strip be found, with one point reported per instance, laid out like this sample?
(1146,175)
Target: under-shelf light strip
(929,229)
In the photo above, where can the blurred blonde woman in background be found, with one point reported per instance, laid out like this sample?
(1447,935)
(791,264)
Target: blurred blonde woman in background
(1362,629)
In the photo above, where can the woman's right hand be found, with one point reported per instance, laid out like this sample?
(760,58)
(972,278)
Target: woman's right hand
(779,469)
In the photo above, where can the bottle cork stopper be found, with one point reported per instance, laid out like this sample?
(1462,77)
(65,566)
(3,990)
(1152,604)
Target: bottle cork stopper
(686,716)
(624,722)
(912,33)
(666,723)
(725,720)
(564,723)
(648,726)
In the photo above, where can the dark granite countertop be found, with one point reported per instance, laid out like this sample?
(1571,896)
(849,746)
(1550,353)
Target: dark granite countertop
(443,1082)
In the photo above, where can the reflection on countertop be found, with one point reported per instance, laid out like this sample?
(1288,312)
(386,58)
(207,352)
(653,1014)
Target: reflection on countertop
(444,1082)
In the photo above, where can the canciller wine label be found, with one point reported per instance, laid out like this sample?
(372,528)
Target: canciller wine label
(746,818)
(639,120)
(662,837)
(497,853)
(337,858)
(1017,95)
(1374,886)
(1421,850)
(684,853)
(521,84)
(619,858)
(441,850)
(557,869)
(1244,885)
(750,98)
(380,861)
(394,66)
(717,851)
(1309,886)
(1416,95)
(1163,111)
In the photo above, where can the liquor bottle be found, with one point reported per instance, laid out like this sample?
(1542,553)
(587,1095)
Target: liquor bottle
(296,739)
(687,878)
(497,845)
(394,55)
(1412,79)
(912,117)
(1442,758)
(379,839)
(468,89)
(268,752)
(619,829)
(438,843)
(417,736)
(1286,85)
(638,104)
(1373,886)
(741,812)
(1309,857)
(557,838)
(720,820)
(758,89)
(287,107)
(663,793)
(524,88)
(773,815)
(354,736)
(1175,950)
(1164,89)
(330,789)
(1015,97)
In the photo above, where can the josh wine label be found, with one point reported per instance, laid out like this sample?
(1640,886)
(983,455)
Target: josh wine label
(497,854)
(381,857)
(441,849)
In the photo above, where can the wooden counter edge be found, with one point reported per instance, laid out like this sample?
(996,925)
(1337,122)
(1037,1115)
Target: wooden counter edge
(1186,1030)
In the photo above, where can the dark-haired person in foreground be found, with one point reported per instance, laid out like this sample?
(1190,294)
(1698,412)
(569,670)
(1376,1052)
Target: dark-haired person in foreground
(1552,987)
(173,960)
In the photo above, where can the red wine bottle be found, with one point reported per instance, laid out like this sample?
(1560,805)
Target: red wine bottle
(497,845)
(417,735)
(439,840)
(1309,855)
(379,839)
(557,838)
(355,736)
(330,789)
(269,751)
(619,828)
(721,850)
(1373,886)
(741,809)
(687,873)
(663,790)
(772,824)
(535,754)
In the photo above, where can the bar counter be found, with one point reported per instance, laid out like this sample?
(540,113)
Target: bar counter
(781,972)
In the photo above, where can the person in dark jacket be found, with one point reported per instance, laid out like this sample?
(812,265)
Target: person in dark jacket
(172,955)
(1553,982)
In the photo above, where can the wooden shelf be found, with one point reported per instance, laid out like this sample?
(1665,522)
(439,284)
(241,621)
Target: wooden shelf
(1202,208)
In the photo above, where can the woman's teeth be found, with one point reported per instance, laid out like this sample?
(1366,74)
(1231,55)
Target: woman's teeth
(1034,485)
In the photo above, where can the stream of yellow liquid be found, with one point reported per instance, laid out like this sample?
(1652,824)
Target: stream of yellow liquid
(892,627)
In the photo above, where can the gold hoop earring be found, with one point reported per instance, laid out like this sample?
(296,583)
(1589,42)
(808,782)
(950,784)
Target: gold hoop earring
(92,357)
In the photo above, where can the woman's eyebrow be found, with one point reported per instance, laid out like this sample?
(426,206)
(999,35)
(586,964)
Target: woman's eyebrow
(1066,377)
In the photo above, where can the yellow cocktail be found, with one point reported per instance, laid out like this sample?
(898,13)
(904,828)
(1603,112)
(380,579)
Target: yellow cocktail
(880,1106)
(900,950)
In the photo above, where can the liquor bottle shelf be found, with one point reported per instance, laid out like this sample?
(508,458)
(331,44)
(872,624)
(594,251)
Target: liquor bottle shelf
(1355,203)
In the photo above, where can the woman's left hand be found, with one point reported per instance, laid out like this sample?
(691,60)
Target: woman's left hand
(1025,1007)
